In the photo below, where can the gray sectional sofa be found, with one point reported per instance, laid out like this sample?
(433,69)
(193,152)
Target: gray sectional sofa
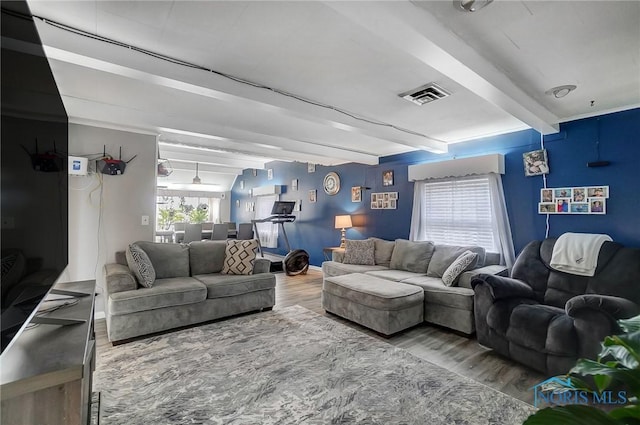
(380,295)
(189,288)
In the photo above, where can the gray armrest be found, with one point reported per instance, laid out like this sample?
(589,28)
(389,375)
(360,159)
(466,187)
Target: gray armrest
(118,278)
(504,287)
(262,265)
(337,255)
(464,281)
(618,308)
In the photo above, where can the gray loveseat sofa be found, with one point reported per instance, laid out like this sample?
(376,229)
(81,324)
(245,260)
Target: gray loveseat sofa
(188,289)
(403,262)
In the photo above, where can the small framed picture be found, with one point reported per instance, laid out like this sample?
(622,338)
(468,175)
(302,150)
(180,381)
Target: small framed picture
(564,192)
(598,192)
(597,205)
(387,178)
(311,168)
(546,208)
(546,195)
(579,208)
(294,184)
(393,195)
(270,174)
(579,194)
(535,163)
(374,205)
(312,196)
(374,197)
(386,196)
(380,203)
(356,194)
(393,204)
(241,184)
(562,205)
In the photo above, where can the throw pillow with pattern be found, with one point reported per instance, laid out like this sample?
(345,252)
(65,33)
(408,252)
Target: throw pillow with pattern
(458,266)
(140,265)
(240,256)
(359,252)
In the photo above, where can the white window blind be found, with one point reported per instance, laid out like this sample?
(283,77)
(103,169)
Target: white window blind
(458,212)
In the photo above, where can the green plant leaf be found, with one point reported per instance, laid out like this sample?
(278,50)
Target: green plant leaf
(624,348)
(629,377)
(630,325)
(626,412)
(571,415)
(602,382)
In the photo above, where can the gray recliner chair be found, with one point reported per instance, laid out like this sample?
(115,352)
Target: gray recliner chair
(548,319)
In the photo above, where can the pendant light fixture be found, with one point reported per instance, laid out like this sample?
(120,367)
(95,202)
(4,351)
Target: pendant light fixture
(196,179)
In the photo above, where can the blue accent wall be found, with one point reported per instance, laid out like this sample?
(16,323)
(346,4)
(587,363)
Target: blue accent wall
(612,137)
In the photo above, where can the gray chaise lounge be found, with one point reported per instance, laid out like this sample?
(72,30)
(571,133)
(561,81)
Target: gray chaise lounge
(188,289)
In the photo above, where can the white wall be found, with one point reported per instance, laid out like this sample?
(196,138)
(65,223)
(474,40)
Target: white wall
(105,211)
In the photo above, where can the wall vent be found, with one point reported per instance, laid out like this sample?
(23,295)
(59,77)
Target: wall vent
(425,94)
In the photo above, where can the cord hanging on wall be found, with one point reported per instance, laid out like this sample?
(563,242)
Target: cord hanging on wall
(110,166)
(598,162)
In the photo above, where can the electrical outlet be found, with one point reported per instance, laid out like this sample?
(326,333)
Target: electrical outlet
(145,220)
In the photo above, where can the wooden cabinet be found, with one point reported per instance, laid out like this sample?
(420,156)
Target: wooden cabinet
(45,374)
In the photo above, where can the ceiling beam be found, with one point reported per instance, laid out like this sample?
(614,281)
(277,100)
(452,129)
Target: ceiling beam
(421,35)
(93,54)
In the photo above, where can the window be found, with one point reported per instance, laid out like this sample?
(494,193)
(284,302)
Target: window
(463,211)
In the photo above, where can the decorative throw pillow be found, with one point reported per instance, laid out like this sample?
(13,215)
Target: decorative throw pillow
(240,256)
(359,252)
(140,265)
(458,266)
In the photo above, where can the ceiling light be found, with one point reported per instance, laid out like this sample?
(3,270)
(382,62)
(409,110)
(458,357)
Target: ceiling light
(470,5)
(561,91)
(196,179)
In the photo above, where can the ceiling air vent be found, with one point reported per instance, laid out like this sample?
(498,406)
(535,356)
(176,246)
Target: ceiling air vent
(425,94)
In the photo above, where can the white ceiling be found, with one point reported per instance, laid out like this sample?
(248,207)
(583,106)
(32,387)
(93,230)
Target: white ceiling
(357,57)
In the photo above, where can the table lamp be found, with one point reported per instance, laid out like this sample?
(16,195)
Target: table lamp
(342,222)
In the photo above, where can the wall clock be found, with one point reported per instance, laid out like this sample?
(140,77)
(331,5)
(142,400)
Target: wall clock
(331,183)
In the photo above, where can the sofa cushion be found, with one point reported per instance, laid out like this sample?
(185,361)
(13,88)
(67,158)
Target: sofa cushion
(206,256)
(168,259)
(543,328)
(394,275)
(435,292)
(140,265)
(383,251)
(164,293)
(459,265)
(412,256)
(359,252)
(240,256)
(373,292)
(444,255)
(335,268)
(229,285)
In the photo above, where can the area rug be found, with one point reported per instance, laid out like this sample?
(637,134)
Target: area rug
(287,366)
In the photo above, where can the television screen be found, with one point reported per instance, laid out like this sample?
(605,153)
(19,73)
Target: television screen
(34,204)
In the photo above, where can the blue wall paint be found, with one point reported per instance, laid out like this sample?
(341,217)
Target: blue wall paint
(616,136)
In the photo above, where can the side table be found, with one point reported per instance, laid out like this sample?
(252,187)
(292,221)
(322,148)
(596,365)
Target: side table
(328,252)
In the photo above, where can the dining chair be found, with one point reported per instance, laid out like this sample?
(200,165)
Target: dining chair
(178,228)
(193,232)
(232,231)
(220,232)
(245,231)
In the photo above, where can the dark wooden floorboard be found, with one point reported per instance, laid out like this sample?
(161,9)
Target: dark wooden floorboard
(435,344)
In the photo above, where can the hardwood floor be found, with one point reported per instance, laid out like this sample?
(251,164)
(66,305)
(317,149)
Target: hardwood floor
(435,344)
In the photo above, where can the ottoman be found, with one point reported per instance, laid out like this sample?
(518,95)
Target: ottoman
(385,306)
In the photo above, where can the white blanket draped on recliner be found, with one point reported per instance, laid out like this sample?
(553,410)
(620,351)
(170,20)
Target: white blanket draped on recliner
(577,253)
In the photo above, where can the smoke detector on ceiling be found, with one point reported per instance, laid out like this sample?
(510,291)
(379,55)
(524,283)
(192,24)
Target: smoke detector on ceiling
(470,5)
(425,94)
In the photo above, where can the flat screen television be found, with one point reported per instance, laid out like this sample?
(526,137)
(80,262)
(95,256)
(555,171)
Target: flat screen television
(33,185)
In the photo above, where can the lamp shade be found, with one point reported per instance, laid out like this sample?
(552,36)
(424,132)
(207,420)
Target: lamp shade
(343,221)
